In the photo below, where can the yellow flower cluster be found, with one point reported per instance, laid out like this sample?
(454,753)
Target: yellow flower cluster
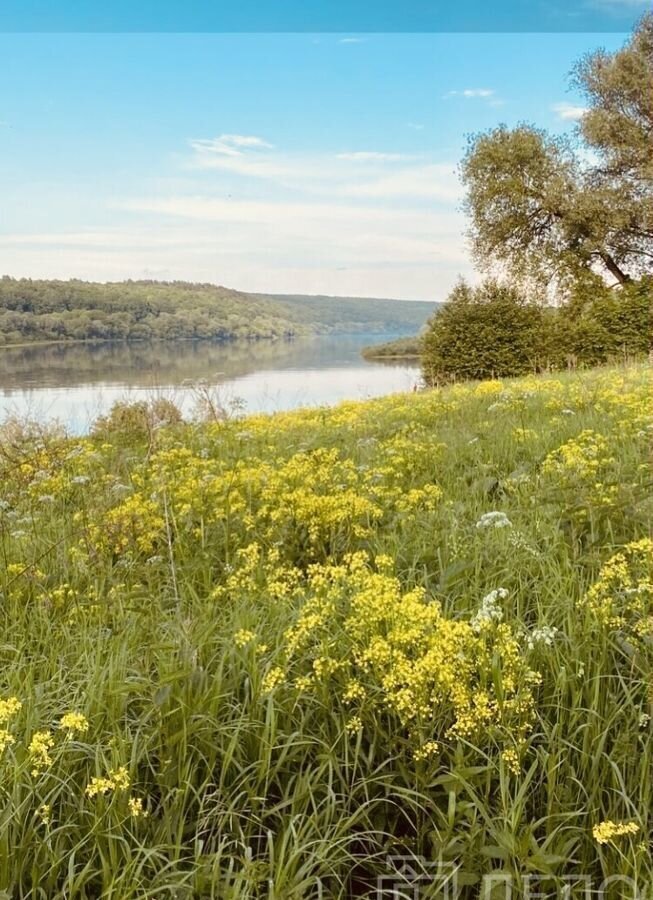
(244,637)
(510,757)
(272,679)
(426,751)
(440,677)
(606,832)
(622,596)
(39,751)
(9,708)
(136,808)
(40,756)
(136,524)
(74,723)
(116,780)
(44,812)
(580,467)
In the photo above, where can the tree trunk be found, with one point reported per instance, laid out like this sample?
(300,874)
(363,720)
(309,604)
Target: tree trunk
(614,269)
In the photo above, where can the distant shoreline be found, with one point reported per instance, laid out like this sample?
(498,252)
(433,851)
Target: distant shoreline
(400,348)
(267,339)
(156,340)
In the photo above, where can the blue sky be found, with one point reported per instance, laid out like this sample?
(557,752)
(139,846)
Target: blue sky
(321,163)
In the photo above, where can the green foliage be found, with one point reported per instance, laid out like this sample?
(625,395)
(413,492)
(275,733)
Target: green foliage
(489,331)
(153,588)
(129,421)
(619,121)
(149,310)
(607,325)
(538,209)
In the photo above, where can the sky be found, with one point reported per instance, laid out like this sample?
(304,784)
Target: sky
(298,163)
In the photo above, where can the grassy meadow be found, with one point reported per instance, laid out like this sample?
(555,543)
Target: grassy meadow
(275,656)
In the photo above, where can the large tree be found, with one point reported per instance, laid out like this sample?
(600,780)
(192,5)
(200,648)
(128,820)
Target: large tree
(542,209)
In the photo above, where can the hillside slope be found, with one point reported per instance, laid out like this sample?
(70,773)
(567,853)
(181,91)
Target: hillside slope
(44,310)
(353,314)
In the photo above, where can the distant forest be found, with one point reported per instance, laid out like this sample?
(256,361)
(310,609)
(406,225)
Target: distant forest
(43,310)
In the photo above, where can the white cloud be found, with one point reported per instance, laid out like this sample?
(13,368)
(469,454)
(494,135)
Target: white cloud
(351,40)
(361,173)
(569,112)
(343,247)
(255,217)
(230,145)
(469,93)
(416,126)
(206,207)
(434,181)
(371,156)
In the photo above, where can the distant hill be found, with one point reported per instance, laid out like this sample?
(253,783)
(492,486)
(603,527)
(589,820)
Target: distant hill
(50,310)
(354,314)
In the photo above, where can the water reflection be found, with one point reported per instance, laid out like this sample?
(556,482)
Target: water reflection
(76,382)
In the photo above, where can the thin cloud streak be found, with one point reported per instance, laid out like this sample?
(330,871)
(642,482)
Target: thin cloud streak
(372,156)
(230,144)
(569,112)
(470,93)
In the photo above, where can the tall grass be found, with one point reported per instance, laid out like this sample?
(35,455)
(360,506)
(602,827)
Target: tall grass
(152,582)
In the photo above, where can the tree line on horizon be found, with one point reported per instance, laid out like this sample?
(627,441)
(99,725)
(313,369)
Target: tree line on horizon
(33,310)
(563,228)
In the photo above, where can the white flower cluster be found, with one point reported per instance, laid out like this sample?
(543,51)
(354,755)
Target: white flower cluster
(494,519)
(544,636)
(490,610)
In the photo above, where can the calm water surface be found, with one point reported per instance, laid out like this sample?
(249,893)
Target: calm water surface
(77,382)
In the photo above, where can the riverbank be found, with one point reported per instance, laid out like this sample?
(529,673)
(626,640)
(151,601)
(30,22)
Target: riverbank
(326,633)
(408,348)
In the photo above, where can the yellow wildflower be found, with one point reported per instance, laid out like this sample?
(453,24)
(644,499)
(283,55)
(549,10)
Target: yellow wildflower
(117,780)
(74,722)
(510,757)
(6,739)
(606,832)
(9,708)
(44,813)
(243,637)
(353,725)
(39,747)
(99,786)
(136,808)
(427,750)
(272,679)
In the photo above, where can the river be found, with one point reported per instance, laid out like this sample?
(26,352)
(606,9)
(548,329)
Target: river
(74,383)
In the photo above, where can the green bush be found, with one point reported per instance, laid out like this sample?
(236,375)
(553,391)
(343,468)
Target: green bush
(492,331)
(136,420)
(489,331)
(609,325)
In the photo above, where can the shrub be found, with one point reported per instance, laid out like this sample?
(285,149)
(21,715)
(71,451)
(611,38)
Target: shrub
(127,421)
(488,331)
(608,325)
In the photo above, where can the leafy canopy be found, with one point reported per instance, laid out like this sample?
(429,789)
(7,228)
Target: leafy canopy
(541,211)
